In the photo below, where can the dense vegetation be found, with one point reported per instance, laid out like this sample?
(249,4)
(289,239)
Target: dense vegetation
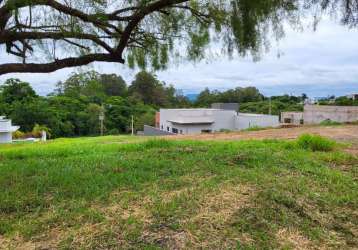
(73,109)
(339,101)
(127,193)
(252,101)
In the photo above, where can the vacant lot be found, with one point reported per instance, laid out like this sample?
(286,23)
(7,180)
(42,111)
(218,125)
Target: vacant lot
(339,132)
(133,193)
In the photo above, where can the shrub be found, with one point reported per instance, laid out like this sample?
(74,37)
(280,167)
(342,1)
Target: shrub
(329,122)
(37,131)
(353,123)
(18,135)
(224,130)
(256,128)
(113,131)
(315,143)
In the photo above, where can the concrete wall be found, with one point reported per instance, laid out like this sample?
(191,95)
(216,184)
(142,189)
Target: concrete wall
(222,119)
(152,131)
(5,125)
(157,119)
(5,137)
(245,121)
(315,114)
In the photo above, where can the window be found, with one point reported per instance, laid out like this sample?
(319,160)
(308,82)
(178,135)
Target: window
(181,131)
(162,127)
(168,129)
(175,130)
(287,120)
(205,131)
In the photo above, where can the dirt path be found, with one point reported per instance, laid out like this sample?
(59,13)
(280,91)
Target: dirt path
(340,133)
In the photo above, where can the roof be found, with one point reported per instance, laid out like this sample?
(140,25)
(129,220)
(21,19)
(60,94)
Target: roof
(192,120)
(254,115)
(11,129)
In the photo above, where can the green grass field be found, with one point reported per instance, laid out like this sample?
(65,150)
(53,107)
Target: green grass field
(134,193)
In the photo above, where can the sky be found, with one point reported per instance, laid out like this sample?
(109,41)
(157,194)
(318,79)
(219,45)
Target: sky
(319,63)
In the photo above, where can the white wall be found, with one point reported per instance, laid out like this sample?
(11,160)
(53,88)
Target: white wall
(315,114)
(5,137)
(5,124)
(223,119)
(245,121)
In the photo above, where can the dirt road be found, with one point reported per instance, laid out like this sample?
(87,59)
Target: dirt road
(340,133)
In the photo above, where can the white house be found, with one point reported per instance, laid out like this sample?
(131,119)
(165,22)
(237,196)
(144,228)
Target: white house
(6,130)
(196,121)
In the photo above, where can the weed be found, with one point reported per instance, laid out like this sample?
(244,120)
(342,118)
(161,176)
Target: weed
(315,143)
(254,128)
(329,122)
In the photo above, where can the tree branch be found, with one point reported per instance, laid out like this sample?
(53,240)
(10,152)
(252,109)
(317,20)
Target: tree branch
(57,64)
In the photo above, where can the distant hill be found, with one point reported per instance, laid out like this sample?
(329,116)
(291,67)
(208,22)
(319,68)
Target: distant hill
(192,97)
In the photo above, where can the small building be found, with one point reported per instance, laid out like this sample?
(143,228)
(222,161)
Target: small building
(353,96)
(196,121)
(295,118)
(6,130)
(315,114)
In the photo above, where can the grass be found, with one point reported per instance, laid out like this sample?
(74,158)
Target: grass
(256,128)
(315,143)
(134,193)
(330,123)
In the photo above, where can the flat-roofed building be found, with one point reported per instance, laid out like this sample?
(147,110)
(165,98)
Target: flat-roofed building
(196,121)
(6,130)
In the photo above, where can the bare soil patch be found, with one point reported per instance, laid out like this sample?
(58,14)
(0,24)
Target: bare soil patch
(340,133)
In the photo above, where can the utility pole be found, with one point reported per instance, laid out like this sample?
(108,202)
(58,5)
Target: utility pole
(132,125)
(270,106)
(101,119)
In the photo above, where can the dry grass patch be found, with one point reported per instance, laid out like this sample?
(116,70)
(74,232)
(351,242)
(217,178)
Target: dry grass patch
(213,216)
(293,239)
(222,205)
(49,240)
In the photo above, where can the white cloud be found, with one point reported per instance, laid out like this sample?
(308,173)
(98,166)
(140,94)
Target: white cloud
(318,63)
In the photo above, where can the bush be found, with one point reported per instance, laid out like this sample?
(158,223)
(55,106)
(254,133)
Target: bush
(224,130)
(113,131)
(315,143)
(353,123)
(329,122)
(18,135)
(37,131)
(256,128)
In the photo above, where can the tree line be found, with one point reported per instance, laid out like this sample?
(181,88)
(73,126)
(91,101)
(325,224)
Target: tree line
(74,107)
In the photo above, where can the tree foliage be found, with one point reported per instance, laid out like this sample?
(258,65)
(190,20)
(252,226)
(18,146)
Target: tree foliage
(48,35)
(74,108)
(237,95)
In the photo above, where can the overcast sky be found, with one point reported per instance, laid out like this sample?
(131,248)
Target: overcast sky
(320,63)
